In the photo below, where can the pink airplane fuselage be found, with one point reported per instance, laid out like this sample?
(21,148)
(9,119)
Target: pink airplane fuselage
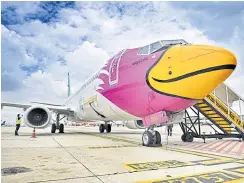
(127,87)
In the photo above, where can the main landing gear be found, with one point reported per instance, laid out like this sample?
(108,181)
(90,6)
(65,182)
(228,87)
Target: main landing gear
(151,138)
(106,127)
(58,126)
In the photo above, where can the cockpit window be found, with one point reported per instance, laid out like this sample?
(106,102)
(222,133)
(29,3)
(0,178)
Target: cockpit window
(144,50)
(155,46)
(164,44)
(173,42)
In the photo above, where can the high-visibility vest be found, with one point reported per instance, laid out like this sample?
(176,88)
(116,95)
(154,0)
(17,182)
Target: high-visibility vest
(18,121)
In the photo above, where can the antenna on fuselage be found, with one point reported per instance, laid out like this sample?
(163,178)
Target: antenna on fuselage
(68,85)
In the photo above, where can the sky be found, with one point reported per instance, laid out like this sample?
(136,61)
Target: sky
(42,41)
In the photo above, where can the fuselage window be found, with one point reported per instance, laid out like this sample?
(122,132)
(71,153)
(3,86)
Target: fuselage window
(144,50)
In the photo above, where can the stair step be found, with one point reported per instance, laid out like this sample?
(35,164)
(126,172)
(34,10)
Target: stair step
(217,117)
(201,105)
(214,116)
(210,114)
(207,110)
(226,127)
(222,124)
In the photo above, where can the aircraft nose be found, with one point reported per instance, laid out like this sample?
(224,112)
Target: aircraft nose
(191,71)
(210,56)
(206,67)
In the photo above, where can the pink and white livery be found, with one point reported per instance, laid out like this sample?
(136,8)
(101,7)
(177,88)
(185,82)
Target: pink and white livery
(146,86)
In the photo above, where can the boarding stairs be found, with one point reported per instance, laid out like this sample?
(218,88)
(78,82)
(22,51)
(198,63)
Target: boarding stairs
(225,109)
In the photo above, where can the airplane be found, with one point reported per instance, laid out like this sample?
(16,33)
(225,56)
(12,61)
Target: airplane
(144,86)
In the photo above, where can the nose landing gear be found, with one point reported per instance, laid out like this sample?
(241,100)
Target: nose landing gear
(151,138)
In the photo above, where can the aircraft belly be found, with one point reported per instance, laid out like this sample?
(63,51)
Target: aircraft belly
(102,109)
(114,112)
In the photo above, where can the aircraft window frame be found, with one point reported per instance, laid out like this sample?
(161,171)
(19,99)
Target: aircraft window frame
(148,52)
(174,42)
(182,41)
(156,48)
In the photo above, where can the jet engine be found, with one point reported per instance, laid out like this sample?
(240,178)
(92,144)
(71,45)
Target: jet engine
(37,117)
(135,124)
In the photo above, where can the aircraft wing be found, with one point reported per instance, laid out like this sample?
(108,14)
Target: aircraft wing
(55,108)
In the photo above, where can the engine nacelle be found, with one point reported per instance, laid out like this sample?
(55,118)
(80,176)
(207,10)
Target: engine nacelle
(135,124)
(37,117)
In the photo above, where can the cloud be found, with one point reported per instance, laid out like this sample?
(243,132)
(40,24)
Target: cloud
(38,52)
(212,17)
(51,84)
(14,12)
(222,22)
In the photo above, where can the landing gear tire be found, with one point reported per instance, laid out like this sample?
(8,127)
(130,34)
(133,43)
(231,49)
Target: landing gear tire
(189,138)
(183,138)
(61,128)
(108,128)
(54,127)
(101,128)
(147,138)
(158,137)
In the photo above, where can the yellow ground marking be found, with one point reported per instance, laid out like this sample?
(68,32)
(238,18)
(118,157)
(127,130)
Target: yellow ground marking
(203,177)
(216,161)
(240,161)
(113,138)
(236,181)
(202,154)
(241,170)
(237,170)
(105,147)
(156,165)
(218,158)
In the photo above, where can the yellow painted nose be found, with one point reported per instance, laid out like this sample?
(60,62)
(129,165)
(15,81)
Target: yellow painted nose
(191,71)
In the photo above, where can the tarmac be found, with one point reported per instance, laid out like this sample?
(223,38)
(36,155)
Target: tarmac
(82,154)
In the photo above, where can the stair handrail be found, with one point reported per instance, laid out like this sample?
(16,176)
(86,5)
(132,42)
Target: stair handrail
(228,112)
(227,98)
(227,107)
(227,89)
(240,97)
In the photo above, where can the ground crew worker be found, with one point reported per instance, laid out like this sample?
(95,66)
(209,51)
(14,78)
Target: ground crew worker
(170,127)
(18,122)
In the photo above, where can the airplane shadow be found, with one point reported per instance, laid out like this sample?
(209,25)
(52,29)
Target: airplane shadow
(78,133)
